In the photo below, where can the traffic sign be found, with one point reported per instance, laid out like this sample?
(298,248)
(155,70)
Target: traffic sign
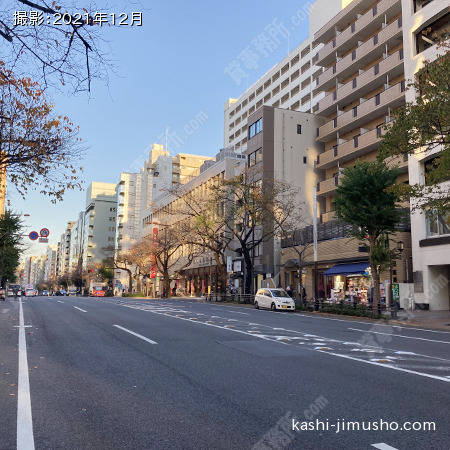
(33,235)
(44,232)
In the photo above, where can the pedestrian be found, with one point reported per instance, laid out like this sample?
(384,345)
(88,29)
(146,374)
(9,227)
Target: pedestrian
(288,290)
(304,294)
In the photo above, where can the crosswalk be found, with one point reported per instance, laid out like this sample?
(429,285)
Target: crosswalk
(410,362)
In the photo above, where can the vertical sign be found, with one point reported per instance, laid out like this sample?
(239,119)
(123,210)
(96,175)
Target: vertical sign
(229,264)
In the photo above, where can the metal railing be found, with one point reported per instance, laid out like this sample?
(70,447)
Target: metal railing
(230,298)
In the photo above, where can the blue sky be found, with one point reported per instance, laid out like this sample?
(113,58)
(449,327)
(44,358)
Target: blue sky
(168,71)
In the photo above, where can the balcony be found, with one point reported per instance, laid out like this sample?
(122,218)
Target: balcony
(327,187)
(393,97)
(361,57)
(399,161)
(366,25)
(366,82)
(327,217)
(341,20)
(347,151)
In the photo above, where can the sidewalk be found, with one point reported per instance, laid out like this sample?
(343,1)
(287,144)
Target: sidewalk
(439,320)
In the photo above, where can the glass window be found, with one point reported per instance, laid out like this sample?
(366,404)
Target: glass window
(438,225)
(277,293)
(432,33)
(255,128)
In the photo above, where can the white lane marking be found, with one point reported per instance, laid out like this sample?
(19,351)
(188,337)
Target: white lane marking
(137,335)
(59,301)
(378,324)
(82,310)
(25,438)
(238,312)
(25,326)
(4,311)
(399,335)
(435,377)
(383,446)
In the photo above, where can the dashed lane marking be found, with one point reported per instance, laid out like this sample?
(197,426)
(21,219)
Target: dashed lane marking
(135,334)
(82,310)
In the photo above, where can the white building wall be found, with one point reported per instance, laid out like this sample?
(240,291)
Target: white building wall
(431,263)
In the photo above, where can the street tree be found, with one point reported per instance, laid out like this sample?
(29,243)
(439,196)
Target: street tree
(364,200)
(39,149)
(58,43)
(170,250)
(203,226)
(121,260)
(10,246)
(422,128)
(253,210)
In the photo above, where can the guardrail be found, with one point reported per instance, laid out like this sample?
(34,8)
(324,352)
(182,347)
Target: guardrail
(230,298)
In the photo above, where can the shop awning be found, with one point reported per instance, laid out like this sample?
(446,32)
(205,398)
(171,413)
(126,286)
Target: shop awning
(347,269)
(291,263)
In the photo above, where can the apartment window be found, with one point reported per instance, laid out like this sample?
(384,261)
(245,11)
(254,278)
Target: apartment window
(377,99)
(353,27)
(428,35)
(335,122)
(334,68)
(355,141)
(355,111)
(334,95)
(317,132)
(402,86)
(377,69)
(305,160)
(375,39)
(335,150)
(334,42)
(255,157)
(400,54)
(353,55)
(255,128)
(438,225)
(419,4)
(375,10)
(299,129)
(354,82)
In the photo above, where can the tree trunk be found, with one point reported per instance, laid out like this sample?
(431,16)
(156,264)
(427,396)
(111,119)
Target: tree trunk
(375,278)
(167,282)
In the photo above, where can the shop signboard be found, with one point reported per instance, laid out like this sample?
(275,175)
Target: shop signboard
(395,292)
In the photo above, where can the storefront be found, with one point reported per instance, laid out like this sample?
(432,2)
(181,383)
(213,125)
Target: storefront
(351,282)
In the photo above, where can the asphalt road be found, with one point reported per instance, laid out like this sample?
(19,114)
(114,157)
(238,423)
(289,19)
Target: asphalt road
(156,374)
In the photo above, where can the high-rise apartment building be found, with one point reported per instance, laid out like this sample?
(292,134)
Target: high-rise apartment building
(50,263)
(99,222)
(288,85)
(64,265)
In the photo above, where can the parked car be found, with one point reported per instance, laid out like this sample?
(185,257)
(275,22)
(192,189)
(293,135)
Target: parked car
(274,299)
(57,293)
(45,293)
